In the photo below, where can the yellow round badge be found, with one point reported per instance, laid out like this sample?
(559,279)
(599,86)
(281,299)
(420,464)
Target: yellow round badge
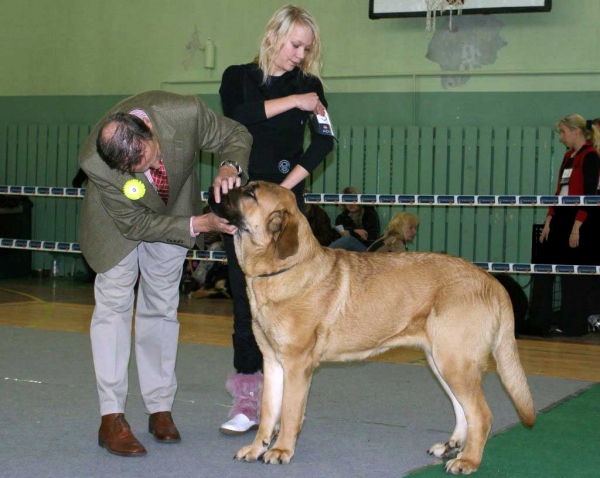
(134,189)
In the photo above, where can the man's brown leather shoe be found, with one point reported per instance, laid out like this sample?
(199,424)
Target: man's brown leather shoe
(162,427)
(115,435)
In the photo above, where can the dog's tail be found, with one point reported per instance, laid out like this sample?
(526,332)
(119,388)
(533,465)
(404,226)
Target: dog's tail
(509,366)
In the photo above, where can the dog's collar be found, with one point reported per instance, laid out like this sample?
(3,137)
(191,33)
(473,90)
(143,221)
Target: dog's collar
(276,273)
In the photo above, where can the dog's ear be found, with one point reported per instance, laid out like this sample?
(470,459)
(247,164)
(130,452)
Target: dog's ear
(284,231)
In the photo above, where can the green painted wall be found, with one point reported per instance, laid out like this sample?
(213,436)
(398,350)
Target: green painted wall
(351,109)
(69,47)
(69,61)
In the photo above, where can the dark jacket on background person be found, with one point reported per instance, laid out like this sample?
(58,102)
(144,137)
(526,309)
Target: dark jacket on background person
(320,225)
(370,223)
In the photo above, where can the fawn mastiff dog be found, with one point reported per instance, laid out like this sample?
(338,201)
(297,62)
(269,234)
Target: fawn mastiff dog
(312,304)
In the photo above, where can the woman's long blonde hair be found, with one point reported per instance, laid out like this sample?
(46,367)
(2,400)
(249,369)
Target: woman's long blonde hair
(276,33)
(588,128)
(399,222)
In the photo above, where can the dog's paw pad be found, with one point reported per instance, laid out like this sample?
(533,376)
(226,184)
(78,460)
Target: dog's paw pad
(249,453)
(277,456)
(461,466)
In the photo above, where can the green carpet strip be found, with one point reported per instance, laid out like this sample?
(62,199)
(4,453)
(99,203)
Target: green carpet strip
(564,443)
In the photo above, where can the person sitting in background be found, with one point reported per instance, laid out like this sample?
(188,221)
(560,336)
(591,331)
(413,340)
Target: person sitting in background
(320,224)
(212,277)
(401,230)
(207,278)
(357,227)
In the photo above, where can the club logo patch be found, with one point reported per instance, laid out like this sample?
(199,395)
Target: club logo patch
(284,166)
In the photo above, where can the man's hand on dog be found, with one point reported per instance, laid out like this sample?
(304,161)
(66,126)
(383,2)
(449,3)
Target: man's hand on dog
(211,222)
(226,179)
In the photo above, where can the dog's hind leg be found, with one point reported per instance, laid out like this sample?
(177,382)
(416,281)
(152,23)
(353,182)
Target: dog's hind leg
(270,410)
(297,378)
(462,375)
(454,445)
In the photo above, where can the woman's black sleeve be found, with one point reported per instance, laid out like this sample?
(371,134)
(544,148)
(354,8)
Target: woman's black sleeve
(591,166)
(590,169)
(233,102)
(320,146)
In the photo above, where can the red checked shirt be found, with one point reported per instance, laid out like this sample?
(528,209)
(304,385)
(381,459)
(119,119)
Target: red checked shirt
(159,178)
(161,182)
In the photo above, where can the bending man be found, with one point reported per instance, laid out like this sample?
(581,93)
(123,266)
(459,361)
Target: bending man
(140,215)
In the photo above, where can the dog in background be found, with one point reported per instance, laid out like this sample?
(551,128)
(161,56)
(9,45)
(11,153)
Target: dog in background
(312,304)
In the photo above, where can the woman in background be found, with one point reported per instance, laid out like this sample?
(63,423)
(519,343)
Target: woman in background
(571,232)
(274,97)
(357,225)
(401,231)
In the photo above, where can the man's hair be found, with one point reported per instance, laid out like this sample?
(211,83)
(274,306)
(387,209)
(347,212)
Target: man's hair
(122,148)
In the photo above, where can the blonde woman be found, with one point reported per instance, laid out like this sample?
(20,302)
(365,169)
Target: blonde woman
(274,97)
(570,233)
(400,232)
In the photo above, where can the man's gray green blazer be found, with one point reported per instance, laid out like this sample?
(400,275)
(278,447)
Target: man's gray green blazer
(111,224)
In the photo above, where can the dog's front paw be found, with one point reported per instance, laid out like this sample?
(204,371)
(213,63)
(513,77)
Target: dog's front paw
(278,456)
(461,466)
(445,450)
(250,453)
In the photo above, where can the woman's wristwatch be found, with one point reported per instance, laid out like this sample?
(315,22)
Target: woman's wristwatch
(233,164)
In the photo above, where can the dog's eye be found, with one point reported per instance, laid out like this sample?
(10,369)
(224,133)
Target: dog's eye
(250,192)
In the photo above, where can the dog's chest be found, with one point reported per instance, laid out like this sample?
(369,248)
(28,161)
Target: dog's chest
(274,317)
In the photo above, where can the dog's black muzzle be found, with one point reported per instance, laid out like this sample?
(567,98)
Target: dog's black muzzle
(227,208)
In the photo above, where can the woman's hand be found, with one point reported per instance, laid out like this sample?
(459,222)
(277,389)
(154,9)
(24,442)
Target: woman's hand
(545,230)
(574,240)
(574,237)
(305,102)
(362,233)
(310,102)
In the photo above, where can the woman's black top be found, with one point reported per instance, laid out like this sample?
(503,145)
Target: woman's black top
(278,141)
